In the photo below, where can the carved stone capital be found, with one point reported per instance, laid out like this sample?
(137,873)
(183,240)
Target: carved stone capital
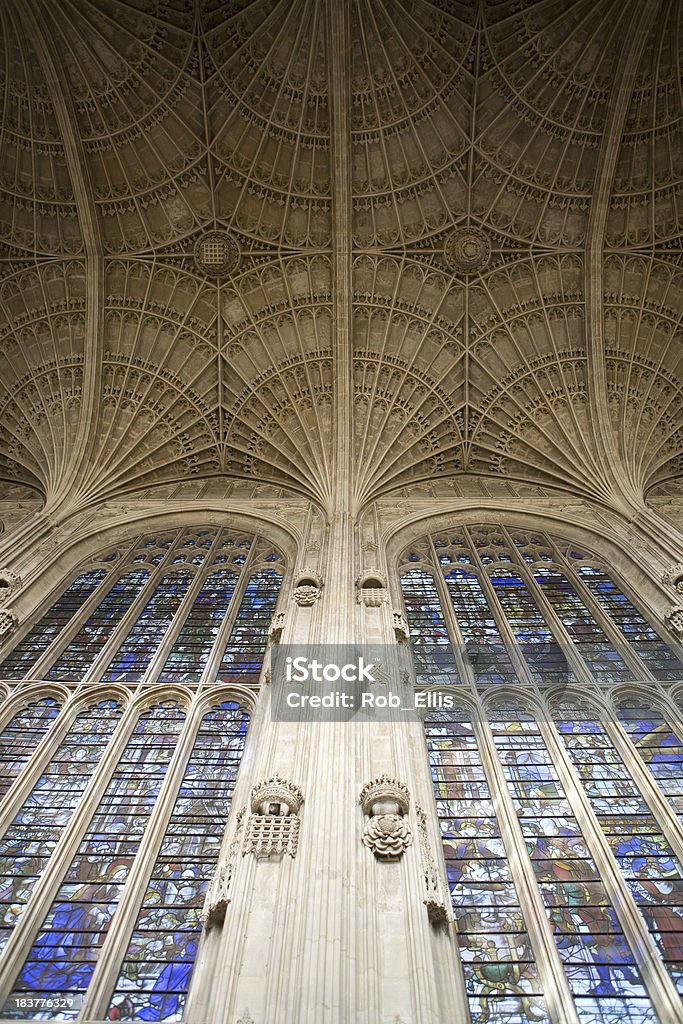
(377,796)
(673,577)
(8,623)
(276,796)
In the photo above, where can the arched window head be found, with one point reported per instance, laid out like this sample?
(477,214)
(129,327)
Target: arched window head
(165,606)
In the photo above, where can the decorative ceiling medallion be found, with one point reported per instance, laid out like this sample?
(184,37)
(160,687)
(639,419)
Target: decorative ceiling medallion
(467,250)
(216,254)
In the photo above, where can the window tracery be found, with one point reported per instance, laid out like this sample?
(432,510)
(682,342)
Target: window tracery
(526,609)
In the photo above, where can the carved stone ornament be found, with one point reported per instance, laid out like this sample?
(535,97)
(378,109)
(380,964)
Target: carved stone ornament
(276,791)
(9,583)
(8,623)
(673,577)
(435,901)
(216,253)
(467,250)
(276,628)
(675,619)
(371,589)
(307,587)
(401,631)
(218,892)
(387,833)
(273,826)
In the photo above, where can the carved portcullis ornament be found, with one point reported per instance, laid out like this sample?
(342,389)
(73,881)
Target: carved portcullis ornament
(273,827)
(216,254)
(467,250)
(387,833)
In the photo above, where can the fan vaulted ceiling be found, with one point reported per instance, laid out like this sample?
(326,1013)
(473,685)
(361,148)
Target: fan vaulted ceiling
(551,130)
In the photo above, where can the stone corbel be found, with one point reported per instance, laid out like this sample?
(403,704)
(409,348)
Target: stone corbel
(438,907)
(276,628)
(673,577)
(8,624)
(401,631)
(386,801)
(218,892)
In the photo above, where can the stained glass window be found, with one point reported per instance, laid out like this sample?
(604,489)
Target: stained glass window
(638,632)
(247,642)
(429,637)
(501,975)
(139,647)
(659,747)
(74,662)
(599,654)
(486,651)
(21,736)
(645,858)
(600,967)
(64,955)
(39,638)
(191,650)
(32,837)
(158,964)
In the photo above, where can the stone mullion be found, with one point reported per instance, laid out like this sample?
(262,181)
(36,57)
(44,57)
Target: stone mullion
(29,924)
(98,995)
(658,983)
(556,992)
(220,643)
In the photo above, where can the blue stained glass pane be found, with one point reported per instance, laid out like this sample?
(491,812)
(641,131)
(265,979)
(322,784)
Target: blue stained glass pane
(644,640)
(659,747)
(643,854)
(501,976)
(485,647)
(544,655)
(594,646)
(157,968)
(77,658)
(431,644)
(246,645)
(601,970)
(21,736)
(136,652)
(63,957)
(31,838)
(191,651)
(37,641)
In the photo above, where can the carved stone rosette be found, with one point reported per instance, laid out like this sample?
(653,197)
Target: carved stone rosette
(8,623)
(307,587)
(387,833)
